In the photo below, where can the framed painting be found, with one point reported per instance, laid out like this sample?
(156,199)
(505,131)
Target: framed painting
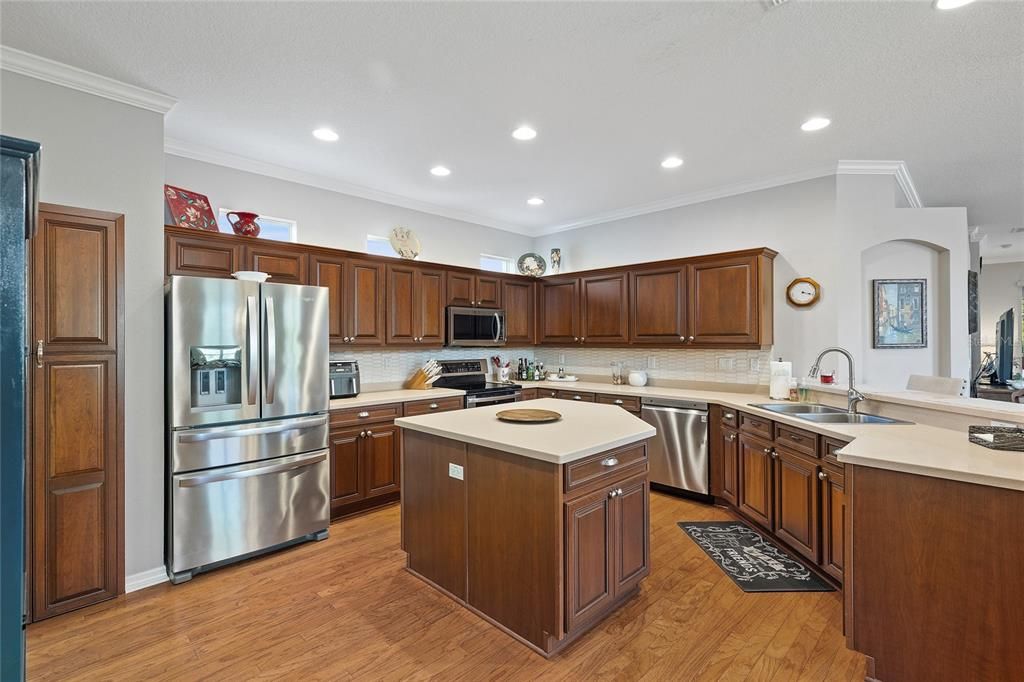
(900,313)
(190,209)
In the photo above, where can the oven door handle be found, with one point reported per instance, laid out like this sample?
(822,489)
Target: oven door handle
(493,398)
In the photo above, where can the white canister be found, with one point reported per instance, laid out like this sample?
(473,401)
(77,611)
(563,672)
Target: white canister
(637,377)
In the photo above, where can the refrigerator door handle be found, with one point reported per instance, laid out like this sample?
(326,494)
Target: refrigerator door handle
(222,433)
(271,341)
(194,480)
(252,356)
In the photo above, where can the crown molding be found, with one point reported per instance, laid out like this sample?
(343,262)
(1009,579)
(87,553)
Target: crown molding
(218,157)
(898,169)
(692,198)
(72,77)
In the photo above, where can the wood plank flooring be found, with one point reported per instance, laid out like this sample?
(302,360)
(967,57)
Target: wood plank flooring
(344,609)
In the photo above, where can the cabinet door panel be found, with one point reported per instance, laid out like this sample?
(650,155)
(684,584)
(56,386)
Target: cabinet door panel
(658,305)
(558,311)
(755,481)
(430,299)
(381,456)
(346,466)
(488,291)
(796,502)
(730,449)
(401,308)
(632,535)
(461,290)
(589,581)
(196,256)
(518,298)
(604,304)
(330,273)
(833,521)
(723,301)
(366,302)
(285,265)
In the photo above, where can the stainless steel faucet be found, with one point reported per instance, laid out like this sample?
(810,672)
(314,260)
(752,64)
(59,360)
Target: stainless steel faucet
(853,396)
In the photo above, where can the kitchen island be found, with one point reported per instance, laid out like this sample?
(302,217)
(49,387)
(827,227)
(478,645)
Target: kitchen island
(542,529)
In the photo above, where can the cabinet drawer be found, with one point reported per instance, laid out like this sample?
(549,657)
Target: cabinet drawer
(604,468)
(756,425)
(830,445)
(730,417)
(575,395)
(795,439)
(366,415)
(531,394)
(429,406)
(630,403)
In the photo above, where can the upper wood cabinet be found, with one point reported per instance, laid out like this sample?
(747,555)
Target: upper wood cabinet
(468,289)
(330,272)
(284,264)
(604,309)
(558,311)
(519,310)
(657,305)
(366,303)
(200,256)
(730,301)
(415,305)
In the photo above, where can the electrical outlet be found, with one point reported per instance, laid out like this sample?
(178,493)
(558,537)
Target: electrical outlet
(755,365)
(389,362)
(561,358)
(652,362)
(726,364)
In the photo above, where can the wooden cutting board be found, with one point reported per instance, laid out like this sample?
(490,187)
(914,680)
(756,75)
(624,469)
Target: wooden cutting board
(528,416)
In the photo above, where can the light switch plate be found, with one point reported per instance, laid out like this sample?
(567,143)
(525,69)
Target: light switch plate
(652,362)
(455,471)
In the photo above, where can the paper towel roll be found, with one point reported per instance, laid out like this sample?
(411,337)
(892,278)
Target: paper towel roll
(780,373)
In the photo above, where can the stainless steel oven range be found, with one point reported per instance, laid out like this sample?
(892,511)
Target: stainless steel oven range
(247,398)
(471,377)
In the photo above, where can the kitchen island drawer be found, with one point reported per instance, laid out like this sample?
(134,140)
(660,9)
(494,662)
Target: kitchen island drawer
(366,415)
(756,425)
(605,468)
(417,407)
(575,395)
(626,402)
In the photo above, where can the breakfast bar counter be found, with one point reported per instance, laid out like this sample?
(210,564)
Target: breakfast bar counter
(543,529)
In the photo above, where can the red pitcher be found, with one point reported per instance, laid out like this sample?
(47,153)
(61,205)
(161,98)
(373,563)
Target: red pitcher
(245,224)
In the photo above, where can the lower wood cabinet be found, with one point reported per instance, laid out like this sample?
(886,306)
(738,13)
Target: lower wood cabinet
(729,452)
(755,479)
(832,481)
(380,449)
(796,501)
(365,460)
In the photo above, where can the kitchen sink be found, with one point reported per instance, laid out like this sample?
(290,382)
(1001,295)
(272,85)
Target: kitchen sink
(799,408)
(847,418)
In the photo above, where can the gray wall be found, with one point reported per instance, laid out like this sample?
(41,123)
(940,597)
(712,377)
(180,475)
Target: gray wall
(100,154)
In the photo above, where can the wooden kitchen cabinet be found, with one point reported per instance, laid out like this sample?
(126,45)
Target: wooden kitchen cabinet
(518,298)
(346,466)
(365,458)
(558,311)
(467,289)
(631,552)
(604,309)
(382,460)
(582,396)
(330,272)
(832,481)
(365,304)
(284,264)
(415,305)
(729,453)
(796,493)
(755,479)
(730,301)
(199,256)
(589,536)
(658,305)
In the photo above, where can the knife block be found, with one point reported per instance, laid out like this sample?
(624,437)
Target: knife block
(418,381)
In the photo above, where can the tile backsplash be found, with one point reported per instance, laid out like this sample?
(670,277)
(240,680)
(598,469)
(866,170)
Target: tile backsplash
(690,364)
(392,367)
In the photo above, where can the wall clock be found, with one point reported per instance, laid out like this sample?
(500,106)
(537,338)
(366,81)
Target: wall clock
(803,292)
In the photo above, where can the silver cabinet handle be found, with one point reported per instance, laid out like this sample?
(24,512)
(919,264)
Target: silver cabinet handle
(683,339)
(253,324)
(39,353)
(345,339)
(364,415)
(822,475)
(732,437)
(767,451)
(618,402)
(610,462)
(729,415)
(582,339)
(690,339)
(433,406)
(193,480)
(271,341)
(575,338)
(577,397)
(362,434)
(369,433)
(613,493)
(774,454)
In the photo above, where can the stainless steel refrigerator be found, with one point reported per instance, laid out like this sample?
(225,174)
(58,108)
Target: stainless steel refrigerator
(247,399)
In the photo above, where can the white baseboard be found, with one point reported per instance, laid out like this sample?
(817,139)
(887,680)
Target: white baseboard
(138,581)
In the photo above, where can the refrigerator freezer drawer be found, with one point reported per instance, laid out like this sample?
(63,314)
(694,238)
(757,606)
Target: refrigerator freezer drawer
(216,446)
(229,512)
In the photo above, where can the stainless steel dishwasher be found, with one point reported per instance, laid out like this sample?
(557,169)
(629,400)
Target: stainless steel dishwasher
(678,454)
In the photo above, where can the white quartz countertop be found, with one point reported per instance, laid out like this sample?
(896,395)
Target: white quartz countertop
(402,395)
(908,448)
(585,429)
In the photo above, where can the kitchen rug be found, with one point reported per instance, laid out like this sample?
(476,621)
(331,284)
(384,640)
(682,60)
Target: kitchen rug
(753,563)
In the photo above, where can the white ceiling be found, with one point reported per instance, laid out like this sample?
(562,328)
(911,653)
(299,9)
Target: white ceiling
(612,88)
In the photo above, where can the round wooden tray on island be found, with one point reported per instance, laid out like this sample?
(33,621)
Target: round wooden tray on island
(528,416)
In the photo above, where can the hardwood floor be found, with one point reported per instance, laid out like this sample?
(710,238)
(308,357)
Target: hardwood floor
(345,609)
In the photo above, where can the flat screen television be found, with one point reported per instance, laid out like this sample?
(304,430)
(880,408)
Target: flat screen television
(1004,349)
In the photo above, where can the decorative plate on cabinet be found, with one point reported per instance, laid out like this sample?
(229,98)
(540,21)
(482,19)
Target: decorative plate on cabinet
(531,265)
(405,242)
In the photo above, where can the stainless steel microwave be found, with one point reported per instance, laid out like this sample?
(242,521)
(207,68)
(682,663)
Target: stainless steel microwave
(476,327)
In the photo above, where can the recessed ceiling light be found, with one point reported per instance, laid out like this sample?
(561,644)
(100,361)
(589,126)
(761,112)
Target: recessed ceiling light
(816,123)
(951,4)
(325,134)
(440,171)
(535,201)
(524,133)
(672,162)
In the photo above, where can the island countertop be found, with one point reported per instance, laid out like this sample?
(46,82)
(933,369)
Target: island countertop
(585,429)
